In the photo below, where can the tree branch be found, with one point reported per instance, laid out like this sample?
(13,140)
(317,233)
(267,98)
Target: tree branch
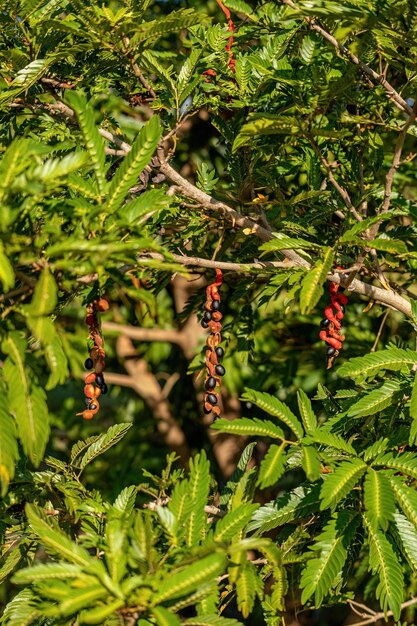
(393,95)
(381,615)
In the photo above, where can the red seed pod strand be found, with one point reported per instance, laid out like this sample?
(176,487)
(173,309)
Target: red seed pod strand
(331,324)
(212,320)
(94,382)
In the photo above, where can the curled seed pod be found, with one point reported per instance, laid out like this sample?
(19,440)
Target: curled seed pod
(331,324)
(212,320)
(87,414)
(217,316)
(220,371)
(89,390)
(89,364)
(91,378)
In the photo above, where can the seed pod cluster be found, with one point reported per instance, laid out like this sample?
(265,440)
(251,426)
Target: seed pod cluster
(94,382)
(332,323)
(214,352)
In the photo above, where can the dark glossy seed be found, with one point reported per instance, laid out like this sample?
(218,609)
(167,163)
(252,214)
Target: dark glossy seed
(211,383)
(216,305)
(220,371)
(92,407)
(204,323)
(89,364)
(330,351)
(211,398)
(219,352)
(207,316)
(342,308)
(100,380)
(324,323)
(104,388)
(87,401)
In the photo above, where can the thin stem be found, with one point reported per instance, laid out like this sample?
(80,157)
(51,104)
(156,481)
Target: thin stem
(381,615)
(378,337)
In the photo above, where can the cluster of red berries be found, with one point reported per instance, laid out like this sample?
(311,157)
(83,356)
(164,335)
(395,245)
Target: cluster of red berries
(94,382)
(332,323)
(212,319)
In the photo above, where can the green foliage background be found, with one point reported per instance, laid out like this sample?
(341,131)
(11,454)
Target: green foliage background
(136,517)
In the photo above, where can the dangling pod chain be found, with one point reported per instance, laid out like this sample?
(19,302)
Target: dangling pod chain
(94,382)
(332,323)
(212,320)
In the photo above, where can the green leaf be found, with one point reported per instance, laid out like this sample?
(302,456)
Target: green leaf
(211,620)
(312,283)
(272,466)
(22,610)
(413,414)
(378,498)
(185,581)
(55,540)
(311,463)
(405,462)
(384,562)
(77,599)
(331,440)
(134,163)
(164,617)
(249,427)
(322,572)
(232,484)
(233,522)
(367,367)
(247,586)
(306,411)
(275,407)
(26,401)
(280,241)
(392,246)
(199,484)
(340,482)
(300,502)
(47,571)
(99,614)
(9,453)
(377,400)
(92,139)
(45,295)
(6,270)
(108,439)
(406,498)
(408,538)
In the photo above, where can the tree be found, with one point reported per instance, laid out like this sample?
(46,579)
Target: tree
(143,146)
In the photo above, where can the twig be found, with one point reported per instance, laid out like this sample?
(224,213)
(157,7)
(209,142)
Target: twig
(222,265)
(381,615)
(378,337)
(393,95)
(341,190)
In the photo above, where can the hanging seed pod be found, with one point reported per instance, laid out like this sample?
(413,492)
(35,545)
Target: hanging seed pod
(212,320)
(331,324)
(94,382)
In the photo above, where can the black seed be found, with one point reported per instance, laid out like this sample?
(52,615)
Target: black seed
(342,308)
(92,407)
(211,383)
(89,364)
(207,316)
(204,323)
(220,371)
(87,401)
(211,398)
(100,380)
(324,323)
(216,305)
(104,388)
(206,411)
(330,351)
(220,352)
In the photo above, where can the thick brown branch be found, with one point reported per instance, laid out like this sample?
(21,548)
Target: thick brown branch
(393,95)
(222,265)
